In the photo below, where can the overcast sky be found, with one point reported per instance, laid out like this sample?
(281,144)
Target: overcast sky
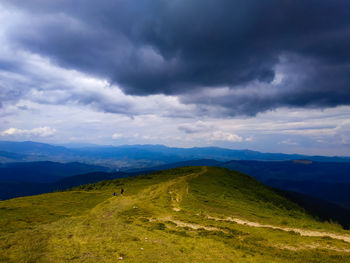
(264,75)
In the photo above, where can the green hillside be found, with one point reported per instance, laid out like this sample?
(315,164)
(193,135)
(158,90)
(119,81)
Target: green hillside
(191,214)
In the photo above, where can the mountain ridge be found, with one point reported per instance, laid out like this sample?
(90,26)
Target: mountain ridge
(190,214)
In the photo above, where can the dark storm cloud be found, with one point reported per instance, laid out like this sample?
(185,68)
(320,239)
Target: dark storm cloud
(185,47)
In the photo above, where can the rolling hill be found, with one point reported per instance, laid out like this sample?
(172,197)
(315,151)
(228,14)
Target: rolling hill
(325,180)
(294,170)
(328,181)
(30,178)
(44,172)
(10,190)
(191,214)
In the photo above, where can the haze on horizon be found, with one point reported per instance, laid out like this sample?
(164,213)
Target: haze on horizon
(272,76)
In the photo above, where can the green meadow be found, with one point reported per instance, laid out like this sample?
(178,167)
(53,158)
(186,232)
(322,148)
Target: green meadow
(190,214)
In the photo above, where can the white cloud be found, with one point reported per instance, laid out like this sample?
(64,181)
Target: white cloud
(225,136)
(343,133)
(40,132)
(317,132)
(117,136)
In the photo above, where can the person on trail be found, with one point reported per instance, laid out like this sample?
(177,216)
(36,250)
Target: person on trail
(121,192)
(115,194)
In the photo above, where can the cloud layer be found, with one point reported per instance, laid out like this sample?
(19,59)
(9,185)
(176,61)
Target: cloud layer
(36,132)
(259,74)
(240,57)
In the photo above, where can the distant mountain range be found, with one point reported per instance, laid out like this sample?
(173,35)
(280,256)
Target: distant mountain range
(138,156)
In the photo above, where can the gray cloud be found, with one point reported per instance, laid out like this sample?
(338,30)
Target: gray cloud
(194,128)
(189,48)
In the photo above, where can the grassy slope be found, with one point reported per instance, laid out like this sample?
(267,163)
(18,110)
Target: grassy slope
(164,218)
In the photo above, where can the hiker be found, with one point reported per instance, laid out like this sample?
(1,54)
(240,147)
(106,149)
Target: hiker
(121,191)
(115,194)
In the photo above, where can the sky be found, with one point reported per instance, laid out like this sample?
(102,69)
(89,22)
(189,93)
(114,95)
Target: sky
(266,75)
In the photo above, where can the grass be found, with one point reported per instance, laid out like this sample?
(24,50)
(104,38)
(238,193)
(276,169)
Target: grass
(163,217)
(27,212)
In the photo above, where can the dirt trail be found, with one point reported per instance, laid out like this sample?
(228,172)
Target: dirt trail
(311,246)
(176,197)
(254,224)
(180,187)
(189,225)
(302,232)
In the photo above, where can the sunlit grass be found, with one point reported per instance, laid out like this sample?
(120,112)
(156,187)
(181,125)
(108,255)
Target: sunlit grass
(163,217)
